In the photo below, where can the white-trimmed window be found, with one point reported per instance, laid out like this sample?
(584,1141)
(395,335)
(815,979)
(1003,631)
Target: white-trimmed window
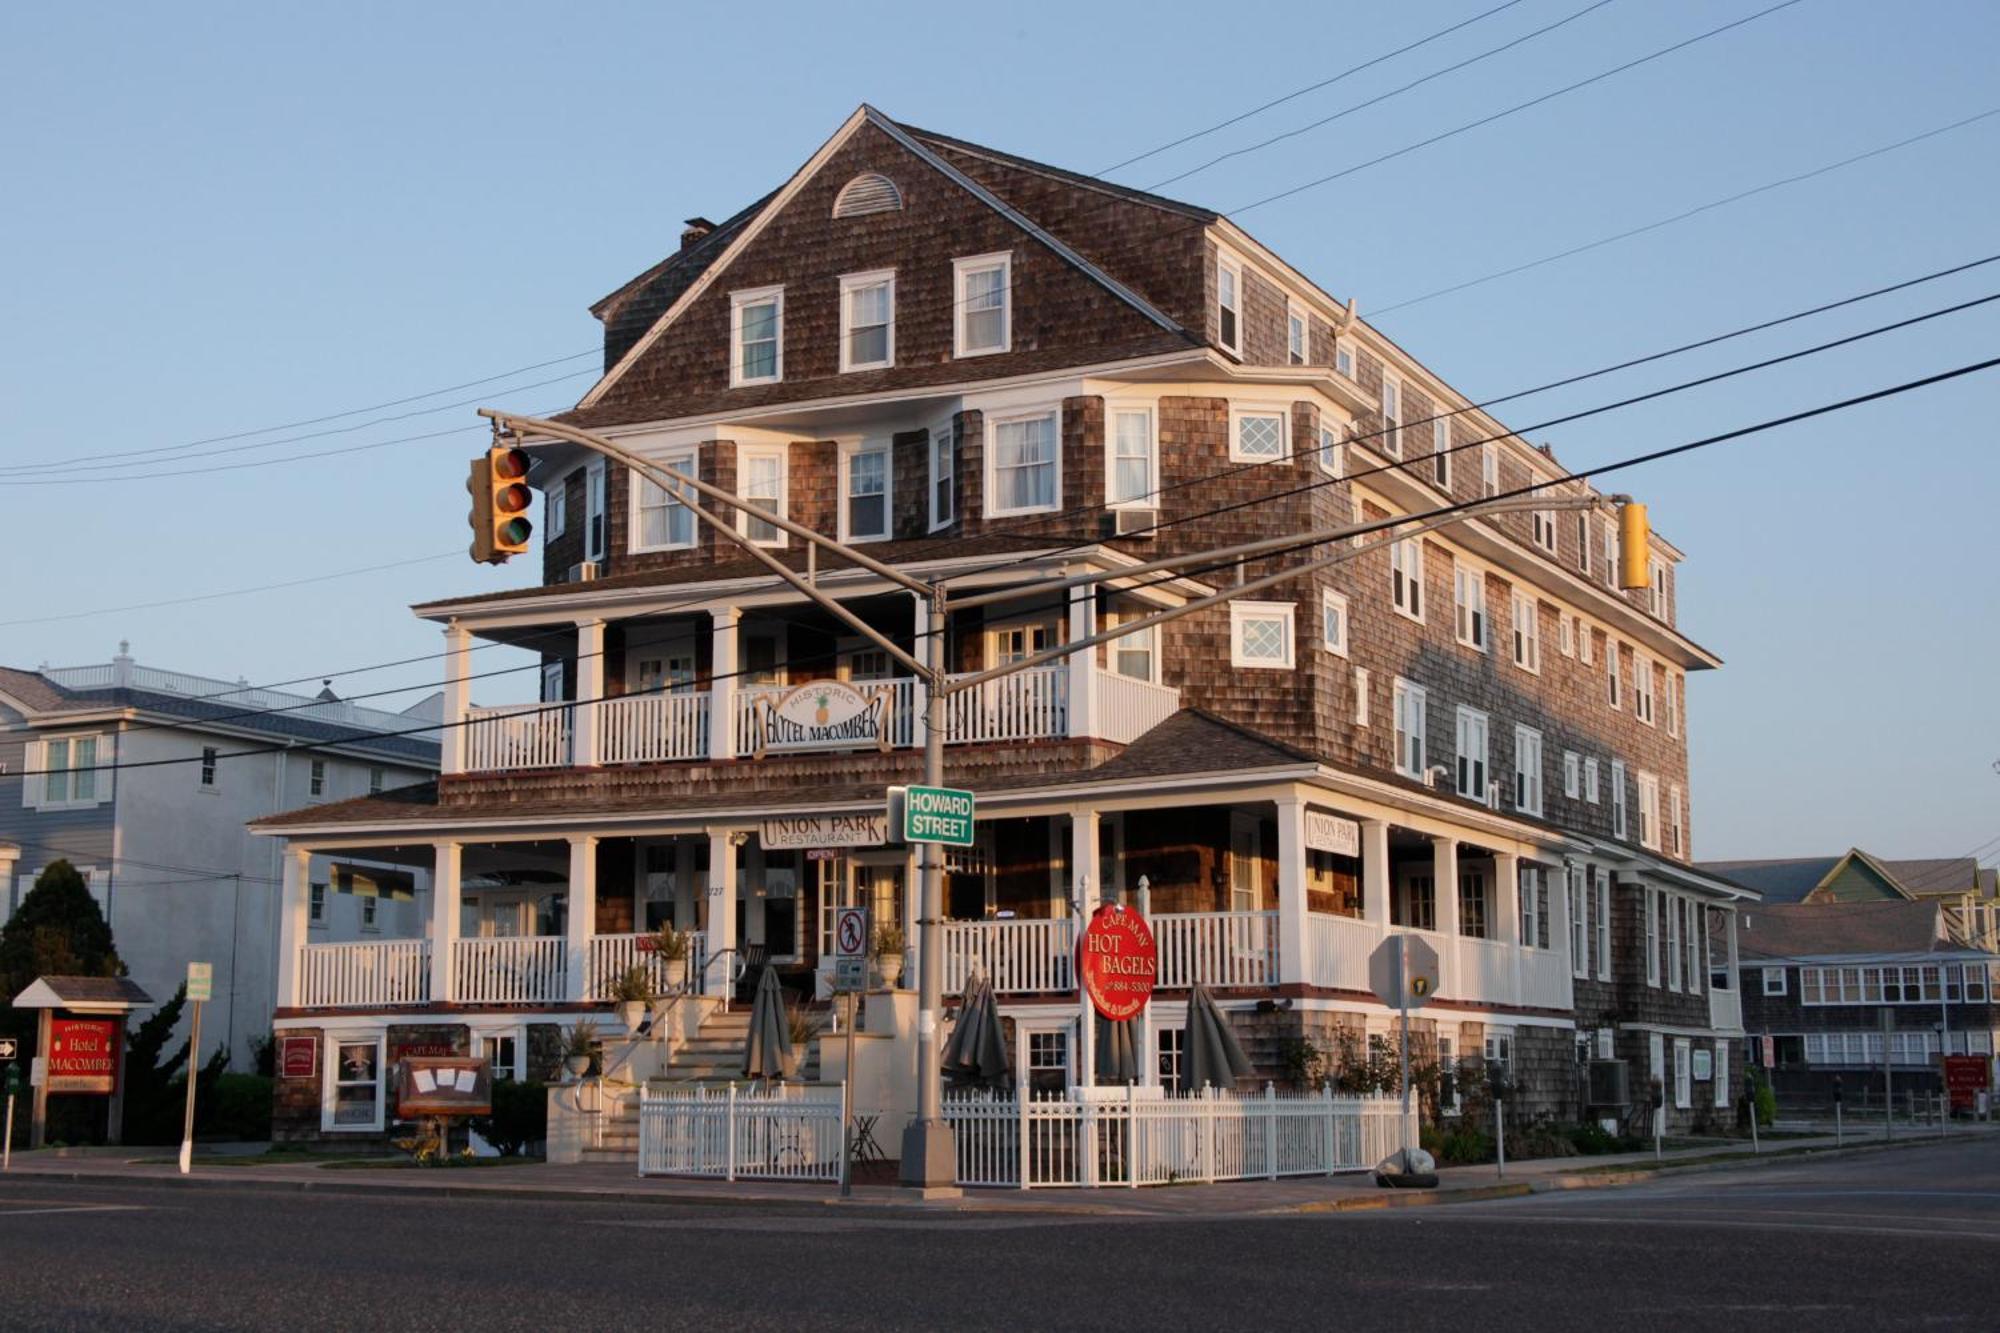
(1489,469)
(1583,543)
(1361,679)
(1258,434)
(316,778)
(1412,706)
(1674,703)
(315,904)
(1656,584)
(1543,524)
(1603,924)
(757,336)
(371,915)
(1333,621)
(1618,798)
(1343,359)
(865,490)
(1579,923)
(1572,774)
(1566,633)
(1527,633)
(1528,770)
(376,778)
(1391,440)
(354,1084)
(1473,749)
(1683,1073)
(1468,595)
(1260,635)
(1441,453)
(1534,913)
(1649,811)
(1650,901)
(1135,655)
(1132,467)
(1406,576)
(943,476)
(1721,1073)
(1692,939)
(1673,903)
(1330,461)
(762,481)
(1676,830)
(984,304)
(868,320)
(68,773)
(1590,781)
(503,1056)
(1229,303)
(1610,531)
(1774,981)
(1295,333)
(660,522)
(1613,686)
(1584,652)
(1024,471)
(596,508)
(1642,688)
(210,754)
(555,518)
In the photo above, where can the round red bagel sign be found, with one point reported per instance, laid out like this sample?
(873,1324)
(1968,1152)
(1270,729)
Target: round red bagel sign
(1118,962)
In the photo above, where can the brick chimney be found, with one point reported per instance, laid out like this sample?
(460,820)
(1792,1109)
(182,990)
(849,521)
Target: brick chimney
(694,229)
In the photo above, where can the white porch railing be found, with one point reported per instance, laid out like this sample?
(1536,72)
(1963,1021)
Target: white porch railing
(1725,1010)
(785,1134)
(1337,950)
(372,973)
(1036,954)
(1031,705)
(1217,948)
(611,955)
(513,969)
(1150,1137)
(1486,972)
(516,736)
(1545,979)
(901,713)
(1123,709)
(652,728)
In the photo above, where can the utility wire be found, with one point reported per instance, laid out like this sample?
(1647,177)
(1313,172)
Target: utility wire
(234,592)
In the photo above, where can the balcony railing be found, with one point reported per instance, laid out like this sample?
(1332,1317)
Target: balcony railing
(1217,948)
(1029,706)
(1725,1010)
(612,955)
(1017,957)
(1124,709)
(516,969)
(653,728)
(373,974)
(516,736)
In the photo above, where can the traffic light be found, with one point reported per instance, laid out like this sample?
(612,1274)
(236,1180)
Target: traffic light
(1634,547)
(500,500)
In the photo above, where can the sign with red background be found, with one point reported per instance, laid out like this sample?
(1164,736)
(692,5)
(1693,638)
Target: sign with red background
(298,1057)
(83,1055)
(1118,962)
(1965,1076)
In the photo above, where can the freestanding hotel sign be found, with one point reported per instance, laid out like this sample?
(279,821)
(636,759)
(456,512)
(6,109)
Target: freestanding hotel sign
(1118,962)
(83,1055)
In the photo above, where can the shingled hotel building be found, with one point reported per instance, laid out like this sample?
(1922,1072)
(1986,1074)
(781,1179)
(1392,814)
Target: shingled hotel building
(991,369)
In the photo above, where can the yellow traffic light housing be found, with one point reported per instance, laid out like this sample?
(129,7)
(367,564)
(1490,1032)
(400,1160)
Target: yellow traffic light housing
(1634,547)
(500,501)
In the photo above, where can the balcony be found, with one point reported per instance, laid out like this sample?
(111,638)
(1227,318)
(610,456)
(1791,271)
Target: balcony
(509,970)
(1725,1010)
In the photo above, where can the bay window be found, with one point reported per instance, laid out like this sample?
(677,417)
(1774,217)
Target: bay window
(1130,470)
(864,492)
(760,476)
(660,521)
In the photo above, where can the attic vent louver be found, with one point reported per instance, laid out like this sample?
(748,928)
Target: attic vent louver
(867,193)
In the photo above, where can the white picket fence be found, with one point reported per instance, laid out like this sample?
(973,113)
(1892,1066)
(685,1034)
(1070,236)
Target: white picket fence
(1145,1136)
(741,1134)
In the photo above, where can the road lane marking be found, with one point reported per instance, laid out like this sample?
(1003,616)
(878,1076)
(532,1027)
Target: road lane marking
(72,1208)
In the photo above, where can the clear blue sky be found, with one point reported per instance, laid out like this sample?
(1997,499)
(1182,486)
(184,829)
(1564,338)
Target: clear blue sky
(222,217)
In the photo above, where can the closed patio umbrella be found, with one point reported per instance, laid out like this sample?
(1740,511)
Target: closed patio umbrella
(767,1052)
(1117,1054)
(1212,1055)
(975,1055)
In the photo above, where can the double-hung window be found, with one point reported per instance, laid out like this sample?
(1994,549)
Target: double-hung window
(1130,471)
(983,306)
(596,534)
(1261,635)
(1489,469)
(1673,704)
(1584,652)
(1343,359)
(1258,435)
(1676,830)
(555,522)
(1441,453)
(1693,939)
(1391,441)
(1579,922)
(1468,591)
(1333,621)
(68,767)
(1649,811)
(660,521)
(1024,467)
(757,336)
(1650,901)
(1656,584)
(1774,981)
(1527,633)
(1673,940)
(1610,531)
(1543,523)
(1472,754)
(1590,781)
(1642,688)
(1134,655)
(1329,452)
(760,479)
(316,904)
(868,320)
(1618,798)
(209,754)
(1534,908)
(1566,633)
(1295,334)
(1603,924)
(1411,707)
(864,491)
(316,778)
(1572,775)
(1528,770)
(1583,543)
(357,1085)
(1406,576)
(1229,304)
(1613,692)
(944,476)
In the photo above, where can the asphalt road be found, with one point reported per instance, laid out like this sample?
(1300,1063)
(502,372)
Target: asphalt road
(1902,1240)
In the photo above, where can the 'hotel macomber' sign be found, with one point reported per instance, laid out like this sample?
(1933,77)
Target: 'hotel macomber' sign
(83,1055)
(820,715)
(1118,962)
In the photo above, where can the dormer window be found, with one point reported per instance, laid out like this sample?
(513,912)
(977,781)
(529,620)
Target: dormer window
(984,304)
(757,336)
(1229,304)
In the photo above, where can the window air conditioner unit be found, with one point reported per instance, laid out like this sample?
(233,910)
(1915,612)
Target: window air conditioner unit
(1609,1084)
(1133,522)
(583,573)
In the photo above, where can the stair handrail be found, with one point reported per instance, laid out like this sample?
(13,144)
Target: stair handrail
(735,971)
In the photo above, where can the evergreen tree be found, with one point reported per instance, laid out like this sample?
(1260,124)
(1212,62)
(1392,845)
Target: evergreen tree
(57,931)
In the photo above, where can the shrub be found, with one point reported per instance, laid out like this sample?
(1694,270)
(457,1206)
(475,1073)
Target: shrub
(1591,1139)
(520,1117)
(238,1107)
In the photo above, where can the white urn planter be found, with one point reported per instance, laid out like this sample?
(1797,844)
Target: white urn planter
(677,973)
(577,1065)
(891,965)
(632,1013)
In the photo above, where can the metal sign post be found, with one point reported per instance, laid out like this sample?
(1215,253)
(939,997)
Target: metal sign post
(1403,971)
(13,1091)
(850,975)
(200,988)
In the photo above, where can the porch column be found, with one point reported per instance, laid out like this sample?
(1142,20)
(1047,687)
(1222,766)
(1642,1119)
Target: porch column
(457,697)
(721,907)
(584,718)
(920,627)
(581,922)
(722,684)
(1292,920)
(1149,1044)
(294,923)
(1729,920)
(1082,666)
(1375,872)
(445,895)
(1555,903)
(1507,904)
(1082,865)
(1444,876)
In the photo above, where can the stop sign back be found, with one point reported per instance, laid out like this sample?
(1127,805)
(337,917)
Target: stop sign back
(1118,962)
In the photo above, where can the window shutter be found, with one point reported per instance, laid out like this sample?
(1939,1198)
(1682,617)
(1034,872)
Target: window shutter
(31,779)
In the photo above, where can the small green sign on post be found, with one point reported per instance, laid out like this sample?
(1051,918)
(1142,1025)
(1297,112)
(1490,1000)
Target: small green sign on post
(932,814)
(201,981)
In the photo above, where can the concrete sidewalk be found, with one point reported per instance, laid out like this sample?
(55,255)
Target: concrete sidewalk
(619,1183)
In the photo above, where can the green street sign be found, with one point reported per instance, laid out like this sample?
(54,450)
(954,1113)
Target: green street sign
(201,981)
(932,814)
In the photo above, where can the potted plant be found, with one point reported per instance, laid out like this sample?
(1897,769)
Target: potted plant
(579,1046)
(670,946)
(632,991)
(888,951)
